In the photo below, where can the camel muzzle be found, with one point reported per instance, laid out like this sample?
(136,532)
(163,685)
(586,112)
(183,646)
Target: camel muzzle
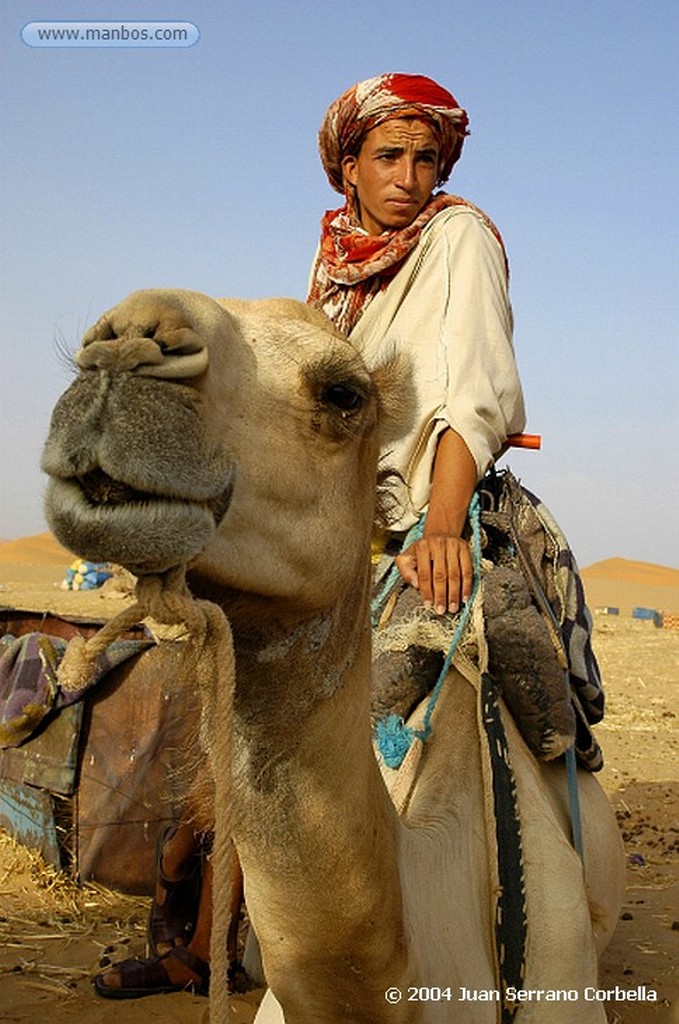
(104,520)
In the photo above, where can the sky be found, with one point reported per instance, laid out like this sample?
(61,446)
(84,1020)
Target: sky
(197,167)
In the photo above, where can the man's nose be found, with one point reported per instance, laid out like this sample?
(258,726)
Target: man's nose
(406,176)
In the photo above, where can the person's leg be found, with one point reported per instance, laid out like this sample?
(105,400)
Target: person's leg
(180,846)
(174,909)
(200,940)
(183,966)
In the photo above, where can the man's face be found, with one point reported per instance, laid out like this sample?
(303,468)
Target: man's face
(394,174)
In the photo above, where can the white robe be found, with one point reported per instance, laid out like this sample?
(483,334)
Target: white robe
(448,310)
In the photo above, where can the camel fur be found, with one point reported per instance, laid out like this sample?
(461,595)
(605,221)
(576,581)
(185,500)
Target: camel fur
(242,439)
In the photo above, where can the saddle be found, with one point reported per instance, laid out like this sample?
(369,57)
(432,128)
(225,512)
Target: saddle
(537,629)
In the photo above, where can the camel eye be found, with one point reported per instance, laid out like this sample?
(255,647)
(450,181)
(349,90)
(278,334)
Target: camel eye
(345,398)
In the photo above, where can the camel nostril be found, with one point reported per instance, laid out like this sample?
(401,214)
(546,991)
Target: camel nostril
(119,354)
(172,349)
(176,362)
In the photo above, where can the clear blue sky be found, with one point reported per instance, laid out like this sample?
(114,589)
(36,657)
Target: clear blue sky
(197,167)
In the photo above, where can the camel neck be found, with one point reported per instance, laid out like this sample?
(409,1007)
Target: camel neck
(300,684)
(311,806)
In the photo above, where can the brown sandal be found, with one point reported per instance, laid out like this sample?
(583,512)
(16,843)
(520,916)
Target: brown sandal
(173,921)
(140,978)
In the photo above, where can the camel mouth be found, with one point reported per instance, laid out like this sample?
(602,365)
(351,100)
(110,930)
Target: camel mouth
(99,489)
(104,520)
(101,492)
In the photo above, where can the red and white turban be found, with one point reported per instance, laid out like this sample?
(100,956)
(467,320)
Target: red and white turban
(375,100)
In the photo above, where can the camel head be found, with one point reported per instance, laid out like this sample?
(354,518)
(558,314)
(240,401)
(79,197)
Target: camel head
(226,435)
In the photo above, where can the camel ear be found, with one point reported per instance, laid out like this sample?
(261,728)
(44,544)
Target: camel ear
(393,381)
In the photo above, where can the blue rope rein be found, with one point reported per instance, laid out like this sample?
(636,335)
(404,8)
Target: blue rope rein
(393,577)
(393,737)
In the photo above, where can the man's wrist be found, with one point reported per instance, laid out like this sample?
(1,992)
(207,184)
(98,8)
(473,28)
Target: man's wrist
(445,526)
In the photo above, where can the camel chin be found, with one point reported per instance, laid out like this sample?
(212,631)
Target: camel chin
(146,537)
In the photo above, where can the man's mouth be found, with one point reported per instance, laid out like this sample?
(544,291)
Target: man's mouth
(403,204)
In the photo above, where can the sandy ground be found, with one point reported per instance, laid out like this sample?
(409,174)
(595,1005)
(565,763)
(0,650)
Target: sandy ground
(54,935)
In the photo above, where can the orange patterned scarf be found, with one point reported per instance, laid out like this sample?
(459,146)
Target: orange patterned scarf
(352,266)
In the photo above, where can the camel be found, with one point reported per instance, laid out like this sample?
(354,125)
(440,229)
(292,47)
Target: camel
(242,439)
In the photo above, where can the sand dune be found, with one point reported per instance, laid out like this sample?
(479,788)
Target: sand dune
(647,573)
(32,570)
(625,584)
(40,549)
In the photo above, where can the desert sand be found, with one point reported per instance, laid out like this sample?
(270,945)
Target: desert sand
(54,934)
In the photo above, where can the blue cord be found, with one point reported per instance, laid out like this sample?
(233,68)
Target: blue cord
(394,576)
(392,735)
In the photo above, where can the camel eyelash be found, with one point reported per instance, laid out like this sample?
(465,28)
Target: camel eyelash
(332,382)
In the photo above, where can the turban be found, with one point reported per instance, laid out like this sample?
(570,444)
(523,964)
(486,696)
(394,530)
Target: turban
(375,100)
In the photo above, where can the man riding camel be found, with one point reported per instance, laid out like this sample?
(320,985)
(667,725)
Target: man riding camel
(400,267)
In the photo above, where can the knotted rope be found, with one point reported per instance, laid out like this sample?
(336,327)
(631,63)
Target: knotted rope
(209,646)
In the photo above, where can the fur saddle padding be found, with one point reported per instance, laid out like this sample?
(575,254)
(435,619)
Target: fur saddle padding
(520,531)
(523,662)
(410,645)
(406,658)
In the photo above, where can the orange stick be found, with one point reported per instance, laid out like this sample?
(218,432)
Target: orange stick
(533,441)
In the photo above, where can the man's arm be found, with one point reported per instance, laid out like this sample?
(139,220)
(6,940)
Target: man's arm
(440,565)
